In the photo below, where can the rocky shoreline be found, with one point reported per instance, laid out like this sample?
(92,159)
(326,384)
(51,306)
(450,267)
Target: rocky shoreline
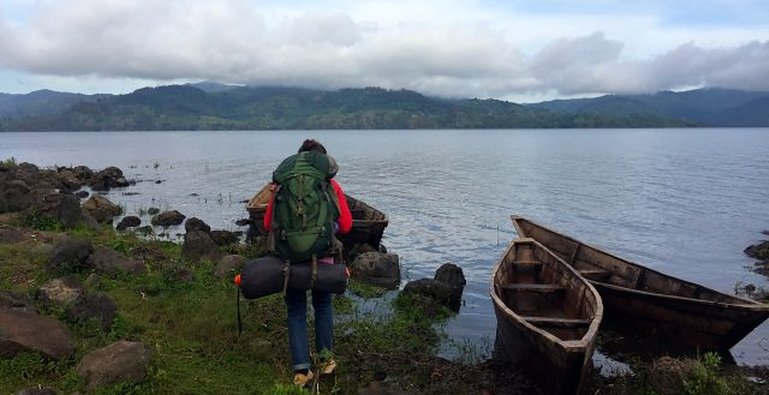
(89,306)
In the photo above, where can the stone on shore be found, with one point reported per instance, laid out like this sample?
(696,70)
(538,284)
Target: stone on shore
(451,275)
(14,301)
(64,207)
(130,221)
(111,177)
(11,236)
(93,306)
(22,331)
(436,290)
(229,264)
(61,291)
(168,218)
(122,361)
(195,224)
(199,245)
(758,251)
(225,237)
(378,269)
(70,255)
(101,209)
(108,261)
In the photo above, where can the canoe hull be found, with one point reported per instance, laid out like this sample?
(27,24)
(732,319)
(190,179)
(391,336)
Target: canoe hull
(547,316)
(639,299)
(556,370)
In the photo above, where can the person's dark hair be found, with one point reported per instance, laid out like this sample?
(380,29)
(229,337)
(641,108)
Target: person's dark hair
(312,145)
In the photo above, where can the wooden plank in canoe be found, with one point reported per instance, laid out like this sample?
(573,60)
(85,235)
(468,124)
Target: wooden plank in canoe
(551,321)
(538,288)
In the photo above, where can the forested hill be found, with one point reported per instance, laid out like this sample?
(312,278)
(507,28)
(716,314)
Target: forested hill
(707,107)
(217,107)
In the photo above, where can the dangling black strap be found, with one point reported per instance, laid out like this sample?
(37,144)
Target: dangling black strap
(240,322)
(286,271)
(314,277)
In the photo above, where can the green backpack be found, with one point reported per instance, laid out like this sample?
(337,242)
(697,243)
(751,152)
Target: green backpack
(305,207)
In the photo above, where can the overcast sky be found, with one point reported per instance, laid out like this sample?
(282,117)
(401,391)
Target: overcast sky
(524,50)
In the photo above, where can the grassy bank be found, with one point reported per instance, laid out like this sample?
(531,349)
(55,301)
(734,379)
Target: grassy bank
(186,315)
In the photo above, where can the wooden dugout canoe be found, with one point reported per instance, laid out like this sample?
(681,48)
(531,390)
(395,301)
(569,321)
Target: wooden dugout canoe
(639,298)
(547,316)
(368,223)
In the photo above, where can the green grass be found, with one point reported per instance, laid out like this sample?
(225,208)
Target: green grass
(191,326)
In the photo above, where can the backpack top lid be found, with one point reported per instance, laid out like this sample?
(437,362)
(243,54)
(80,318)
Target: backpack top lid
(323,163)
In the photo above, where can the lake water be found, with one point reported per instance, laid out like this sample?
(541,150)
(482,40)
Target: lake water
(682,201)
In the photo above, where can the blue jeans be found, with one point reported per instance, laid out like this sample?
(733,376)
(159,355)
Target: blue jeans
(296,305)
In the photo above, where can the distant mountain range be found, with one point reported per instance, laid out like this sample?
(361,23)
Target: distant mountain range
(213,106)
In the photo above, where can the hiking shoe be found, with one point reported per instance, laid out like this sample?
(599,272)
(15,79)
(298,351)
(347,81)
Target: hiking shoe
(328,367)
(301,379)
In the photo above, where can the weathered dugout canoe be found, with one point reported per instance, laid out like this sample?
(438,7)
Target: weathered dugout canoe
(639,298)
(368,223)
(547,316)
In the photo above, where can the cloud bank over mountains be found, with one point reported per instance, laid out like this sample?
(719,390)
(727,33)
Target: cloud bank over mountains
(461,49)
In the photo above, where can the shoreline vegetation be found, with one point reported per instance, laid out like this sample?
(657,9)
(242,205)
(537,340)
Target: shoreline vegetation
(167,312)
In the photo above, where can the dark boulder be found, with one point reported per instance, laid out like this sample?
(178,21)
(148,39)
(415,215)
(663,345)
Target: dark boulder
(82,194)
(120,362)
(11,236)
(229,264)
(758,251)
(70,255)
(198,246)
(14,301)
(15,195)
(179,273)
(451,275)
(63,207)
(83,173)
(243,221)
(153,211)
(225,237)
(101,209)
(130,221)
(111,177)
(93,307)
(109,261)
(436,290)
(195,224)
(22,331)
(377,268)
(168,218)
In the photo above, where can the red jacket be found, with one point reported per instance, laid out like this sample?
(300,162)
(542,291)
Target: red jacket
(345,217)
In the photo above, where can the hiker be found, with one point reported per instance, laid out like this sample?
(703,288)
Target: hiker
(294,171)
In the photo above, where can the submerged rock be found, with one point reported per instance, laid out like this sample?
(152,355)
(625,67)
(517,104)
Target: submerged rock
(168,218)
(758,251)
(451,275)
(436,290)
(130,221)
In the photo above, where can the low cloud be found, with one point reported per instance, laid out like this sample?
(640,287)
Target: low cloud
(236,42)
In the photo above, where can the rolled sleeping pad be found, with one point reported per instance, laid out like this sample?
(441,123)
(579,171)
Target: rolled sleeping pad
(264,276)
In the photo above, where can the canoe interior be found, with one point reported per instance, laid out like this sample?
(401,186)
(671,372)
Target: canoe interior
(602,267)
(544,292)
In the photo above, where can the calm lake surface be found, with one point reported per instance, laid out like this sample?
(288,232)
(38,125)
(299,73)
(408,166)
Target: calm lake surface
(685,202)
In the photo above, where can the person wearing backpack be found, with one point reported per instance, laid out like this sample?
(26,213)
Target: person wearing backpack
(305,211)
